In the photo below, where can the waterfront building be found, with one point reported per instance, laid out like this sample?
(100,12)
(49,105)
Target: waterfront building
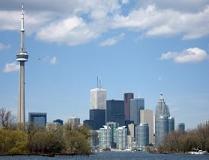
(121,138)
(171,124)
(136,105)
(142,135)
(74,122)
(146,116)
(127,97)
(115,111)
(37,119)
(131,136)
(113,126)
(181,127)
(97,116)
(94,139)
(105,137)
(161,129)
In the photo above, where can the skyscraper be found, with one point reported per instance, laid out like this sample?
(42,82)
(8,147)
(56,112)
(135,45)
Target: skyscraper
(161,121)
(161,109)
(146,116)
(115,111)
(98,97)
(97,116)
(22,57)
(127,97)
(136,105)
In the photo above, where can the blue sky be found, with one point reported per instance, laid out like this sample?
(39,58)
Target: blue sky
(147,47)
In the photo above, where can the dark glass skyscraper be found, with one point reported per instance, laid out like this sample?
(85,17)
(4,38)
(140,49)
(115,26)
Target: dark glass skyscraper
(98,118)
(115,111)
(127,97)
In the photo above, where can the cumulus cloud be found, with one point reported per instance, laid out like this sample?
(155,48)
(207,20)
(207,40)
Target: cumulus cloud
(53,60)
(76,22)
(190,55)
(11,67)
(4,46)
(71,31)
(112,41)
(165,22)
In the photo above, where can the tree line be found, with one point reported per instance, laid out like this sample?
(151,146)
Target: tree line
(195,139)
(54,139)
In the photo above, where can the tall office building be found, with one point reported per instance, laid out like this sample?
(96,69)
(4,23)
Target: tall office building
(121,137)
(98,105)
(161,121)
(127,97)
(171,124)
(136,105)
(142,135)
(146,116)
(105,137)
(115,111)
(97,116)
(22,57)
(98,97)
(161,109)
(37,119)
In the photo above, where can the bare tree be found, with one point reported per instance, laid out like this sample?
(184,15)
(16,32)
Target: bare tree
(5,118)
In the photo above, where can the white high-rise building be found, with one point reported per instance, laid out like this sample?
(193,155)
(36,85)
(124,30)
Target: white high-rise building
(146,116)
(121,137)
(98,98)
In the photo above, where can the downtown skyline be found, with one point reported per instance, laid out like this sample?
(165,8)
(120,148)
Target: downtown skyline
(131,45)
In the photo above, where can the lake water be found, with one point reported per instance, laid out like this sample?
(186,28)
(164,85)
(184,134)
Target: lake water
(114,156)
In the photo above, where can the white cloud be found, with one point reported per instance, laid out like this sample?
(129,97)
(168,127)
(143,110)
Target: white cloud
(71,31)
(11,67)
(53,60)
(112,41)
(190,55)
(4,46)
(165,22)
(76,22)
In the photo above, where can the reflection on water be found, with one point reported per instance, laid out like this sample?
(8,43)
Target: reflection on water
(114,156)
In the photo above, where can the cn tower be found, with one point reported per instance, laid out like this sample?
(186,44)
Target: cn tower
(22,57)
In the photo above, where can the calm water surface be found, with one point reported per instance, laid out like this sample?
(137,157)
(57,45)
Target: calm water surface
(114,156)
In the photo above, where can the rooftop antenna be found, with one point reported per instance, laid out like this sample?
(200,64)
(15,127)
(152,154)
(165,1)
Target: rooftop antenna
(100,83)
(97,82)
